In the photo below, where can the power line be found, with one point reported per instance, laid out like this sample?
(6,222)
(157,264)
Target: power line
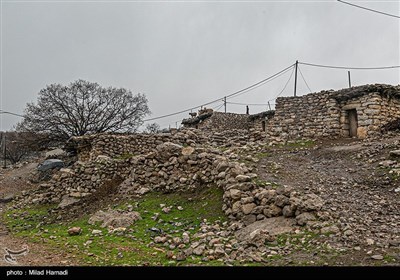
(250,104)
(227,96)
(10,113)
(301,74)
(219,107)
(180,112)
(349,67)
(291,74)
(368,9)
(261,84)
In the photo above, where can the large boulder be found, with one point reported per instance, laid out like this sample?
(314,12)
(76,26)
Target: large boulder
(50,164)
(268,227)
(114,218)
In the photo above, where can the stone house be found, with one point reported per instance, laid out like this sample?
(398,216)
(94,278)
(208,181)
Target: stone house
(352,112)
(217,121)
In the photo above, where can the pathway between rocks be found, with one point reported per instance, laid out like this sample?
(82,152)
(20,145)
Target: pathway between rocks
(360,196)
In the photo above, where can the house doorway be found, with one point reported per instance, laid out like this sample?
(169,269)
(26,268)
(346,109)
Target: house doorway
(263,125)
(353,122)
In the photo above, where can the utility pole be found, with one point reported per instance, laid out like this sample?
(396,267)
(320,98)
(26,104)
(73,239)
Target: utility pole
(4,151)
(295,78)
(225,103)
(348,74)
(269,106)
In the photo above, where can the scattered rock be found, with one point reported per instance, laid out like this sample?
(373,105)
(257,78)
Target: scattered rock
(170,255)
(330,229)
(387,163)
(243,178)
(348,232)
(370,241)
(185,238)
(180,256)
(96,232)
(6,198)
(199,250)
(305,217)
(160,239)
(377,257)
(74,231)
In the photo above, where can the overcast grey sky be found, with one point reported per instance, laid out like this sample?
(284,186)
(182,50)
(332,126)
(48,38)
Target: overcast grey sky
(183,54)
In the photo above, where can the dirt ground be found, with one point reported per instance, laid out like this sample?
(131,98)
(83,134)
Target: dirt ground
(12,182)
(361,196)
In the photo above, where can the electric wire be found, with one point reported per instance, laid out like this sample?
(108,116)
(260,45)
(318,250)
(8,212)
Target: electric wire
(11,113)
(368,9)
(250,104)
(302,76)
(291,74)
(259,85)
(218,107)
(270,78)
(348,67)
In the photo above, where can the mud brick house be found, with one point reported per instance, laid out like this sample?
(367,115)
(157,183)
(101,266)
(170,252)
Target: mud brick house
(352,112)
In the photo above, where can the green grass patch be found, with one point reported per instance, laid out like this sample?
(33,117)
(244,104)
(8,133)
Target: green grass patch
(262,155)
(395,176)
(134,246)
(262,183)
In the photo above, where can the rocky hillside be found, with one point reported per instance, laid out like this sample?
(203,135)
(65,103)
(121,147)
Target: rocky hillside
(186,199)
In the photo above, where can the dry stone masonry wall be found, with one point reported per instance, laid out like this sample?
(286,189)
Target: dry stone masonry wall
(225,121)
(312,115)
(171,167)
(326,113)
(120,146)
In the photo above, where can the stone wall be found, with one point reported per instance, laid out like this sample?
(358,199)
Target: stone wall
(227,129)
(373,112)
(174,168)
(225,121)
(259,122)
(311,115)
(120,146)
(325,114)
(89,147)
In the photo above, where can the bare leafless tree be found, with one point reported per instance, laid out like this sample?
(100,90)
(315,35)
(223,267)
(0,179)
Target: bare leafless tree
(84,108)
(152,128)
(18,146)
